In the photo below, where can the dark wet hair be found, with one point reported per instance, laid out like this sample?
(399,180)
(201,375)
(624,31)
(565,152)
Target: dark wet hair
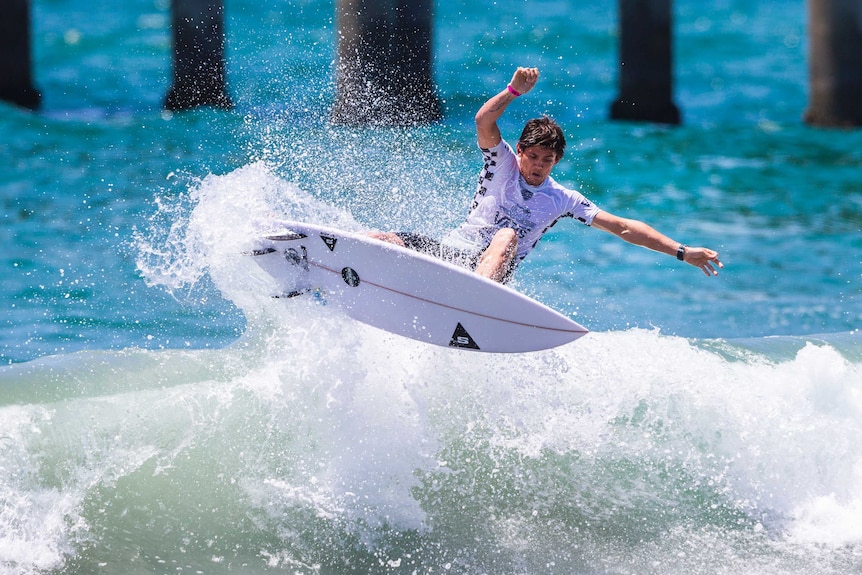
(543,132)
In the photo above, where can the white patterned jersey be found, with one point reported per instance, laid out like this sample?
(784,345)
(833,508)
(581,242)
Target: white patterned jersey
(505,200)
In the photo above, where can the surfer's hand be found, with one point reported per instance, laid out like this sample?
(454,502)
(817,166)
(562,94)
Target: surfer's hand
(703,258)
(524,79)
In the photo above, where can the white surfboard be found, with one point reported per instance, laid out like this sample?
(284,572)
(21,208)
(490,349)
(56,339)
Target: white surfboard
(408,293)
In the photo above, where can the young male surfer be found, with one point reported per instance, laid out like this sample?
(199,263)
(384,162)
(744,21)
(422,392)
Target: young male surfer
(518,201)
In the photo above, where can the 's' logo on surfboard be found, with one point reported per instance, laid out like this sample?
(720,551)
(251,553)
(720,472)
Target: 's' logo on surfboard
(462,339)
(329,241)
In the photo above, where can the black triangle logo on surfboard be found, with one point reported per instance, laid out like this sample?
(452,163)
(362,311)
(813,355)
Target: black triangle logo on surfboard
(462,339)
(330,242)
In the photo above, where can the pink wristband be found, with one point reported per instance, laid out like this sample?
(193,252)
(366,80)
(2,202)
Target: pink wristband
(513,91)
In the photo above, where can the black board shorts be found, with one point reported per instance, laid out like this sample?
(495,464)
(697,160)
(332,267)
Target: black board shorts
(429,246)
(465,258)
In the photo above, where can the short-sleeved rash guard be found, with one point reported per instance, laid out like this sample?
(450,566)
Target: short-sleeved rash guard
(505,200)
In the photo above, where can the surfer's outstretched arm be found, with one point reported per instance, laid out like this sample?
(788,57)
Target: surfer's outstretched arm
(641,234)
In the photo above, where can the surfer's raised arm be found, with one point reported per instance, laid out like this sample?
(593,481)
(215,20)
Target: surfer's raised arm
(487,130)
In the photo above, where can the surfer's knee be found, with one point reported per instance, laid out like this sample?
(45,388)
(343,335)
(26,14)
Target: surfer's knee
(497,258)
(506,240)
(504,245)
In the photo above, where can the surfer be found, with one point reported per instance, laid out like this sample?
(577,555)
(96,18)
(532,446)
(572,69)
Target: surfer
(517,200)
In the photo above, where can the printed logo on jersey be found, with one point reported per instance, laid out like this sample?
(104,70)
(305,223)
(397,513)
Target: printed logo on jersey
(516,217)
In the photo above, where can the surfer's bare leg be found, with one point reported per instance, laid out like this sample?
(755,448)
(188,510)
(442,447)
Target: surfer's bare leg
(498,256)
(386,237)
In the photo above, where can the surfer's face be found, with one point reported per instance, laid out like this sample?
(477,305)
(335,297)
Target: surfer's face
(536,163)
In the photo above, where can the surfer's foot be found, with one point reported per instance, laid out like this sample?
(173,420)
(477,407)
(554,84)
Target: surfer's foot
(388,237)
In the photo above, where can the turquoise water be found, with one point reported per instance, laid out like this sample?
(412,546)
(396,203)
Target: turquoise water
(159,413)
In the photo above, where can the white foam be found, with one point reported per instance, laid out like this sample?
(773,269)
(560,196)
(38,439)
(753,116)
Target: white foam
(38,523)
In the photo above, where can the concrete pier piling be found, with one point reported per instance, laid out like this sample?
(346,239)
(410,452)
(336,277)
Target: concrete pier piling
(384,73)
(16,80)
(646,64)
(835,63)
(198,56)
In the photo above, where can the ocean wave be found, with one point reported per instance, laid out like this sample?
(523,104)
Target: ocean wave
(315,443)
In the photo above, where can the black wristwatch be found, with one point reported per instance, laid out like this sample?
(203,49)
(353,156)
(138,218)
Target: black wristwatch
(680,252)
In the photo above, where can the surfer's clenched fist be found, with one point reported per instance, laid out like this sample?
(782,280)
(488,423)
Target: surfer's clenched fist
(524,79)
